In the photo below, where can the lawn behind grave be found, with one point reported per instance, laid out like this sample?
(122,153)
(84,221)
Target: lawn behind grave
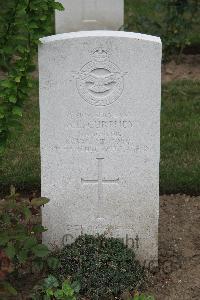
(180,143)
(180,138)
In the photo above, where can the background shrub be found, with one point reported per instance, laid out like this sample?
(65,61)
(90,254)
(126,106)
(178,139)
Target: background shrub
(175,21)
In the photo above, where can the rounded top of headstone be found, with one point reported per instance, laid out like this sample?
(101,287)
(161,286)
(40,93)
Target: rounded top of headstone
(100,33)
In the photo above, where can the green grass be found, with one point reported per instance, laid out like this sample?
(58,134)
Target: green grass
(180,138)
(180,143)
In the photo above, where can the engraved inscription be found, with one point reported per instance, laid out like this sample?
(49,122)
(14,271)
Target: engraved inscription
(102,131)
(100,181)
(100,82)
(98,124)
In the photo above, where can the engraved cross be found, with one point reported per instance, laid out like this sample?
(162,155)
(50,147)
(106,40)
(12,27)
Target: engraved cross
(100,181)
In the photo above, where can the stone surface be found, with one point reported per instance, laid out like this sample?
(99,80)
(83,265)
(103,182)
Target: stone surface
(100,137)
(90,15)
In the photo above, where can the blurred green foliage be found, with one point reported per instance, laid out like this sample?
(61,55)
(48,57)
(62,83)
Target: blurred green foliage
(177,22)
(22,23)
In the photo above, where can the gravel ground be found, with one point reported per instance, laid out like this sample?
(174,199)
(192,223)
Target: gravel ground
(178,274)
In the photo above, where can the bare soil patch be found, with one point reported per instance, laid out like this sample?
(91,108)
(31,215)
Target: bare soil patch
(178,274)
(189,68)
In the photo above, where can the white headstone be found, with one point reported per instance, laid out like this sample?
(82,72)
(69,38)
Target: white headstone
(90,15)
(100,137)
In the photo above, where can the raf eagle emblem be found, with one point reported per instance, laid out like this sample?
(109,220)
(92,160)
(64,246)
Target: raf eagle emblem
(100,82)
